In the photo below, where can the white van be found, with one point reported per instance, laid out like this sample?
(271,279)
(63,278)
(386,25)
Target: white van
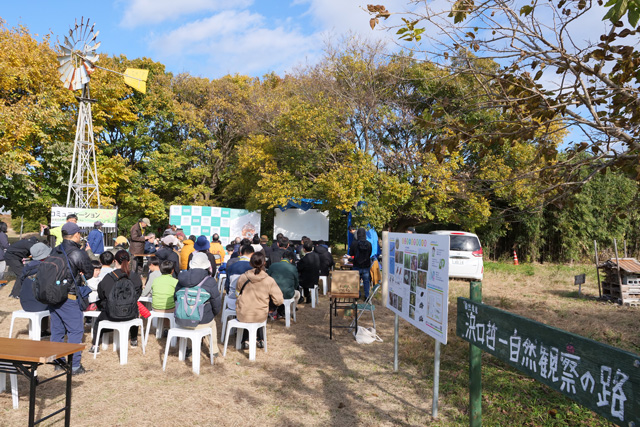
(465,254)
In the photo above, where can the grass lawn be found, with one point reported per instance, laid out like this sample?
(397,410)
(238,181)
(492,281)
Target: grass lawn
(306,379)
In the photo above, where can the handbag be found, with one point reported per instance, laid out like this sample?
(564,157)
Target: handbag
(366,335)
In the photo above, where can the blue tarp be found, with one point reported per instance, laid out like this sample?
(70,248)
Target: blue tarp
(305,204)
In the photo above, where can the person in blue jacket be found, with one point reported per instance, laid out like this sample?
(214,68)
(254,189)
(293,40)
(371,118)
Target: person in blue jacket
(95,239)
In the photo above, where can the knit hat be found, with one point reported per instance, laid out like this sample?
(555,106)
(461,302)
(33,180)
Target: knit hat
(40,251)
(202,244)
(200,260)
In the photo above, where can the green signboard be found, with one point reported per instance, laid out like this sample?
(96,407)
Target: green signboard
(600,377)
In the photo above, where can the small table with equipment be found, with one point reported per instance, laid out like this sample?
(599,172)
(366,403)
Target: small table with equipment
(27,355)
(343,294)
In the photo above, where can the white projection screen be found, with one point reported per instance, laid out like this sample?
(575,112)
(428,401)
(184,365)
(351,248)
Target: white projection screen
(295,223)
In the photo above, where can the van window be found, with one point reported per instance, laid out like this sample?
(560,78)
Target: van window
(463,243)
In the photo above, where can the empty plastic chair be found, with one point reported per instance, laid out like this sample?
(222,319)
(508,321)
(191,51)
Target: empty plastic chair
(289,310)
(35,319)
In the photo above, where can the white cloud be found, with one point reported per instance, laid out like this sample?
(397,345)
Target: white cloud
(144,12)
(236,42)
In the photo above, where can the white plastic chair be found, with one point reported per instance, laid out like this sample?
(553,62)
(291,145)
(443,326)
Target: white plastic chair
(226,313)
(93,315)
(196,336)
(145,299)
(121,336)
(314,296)
(221,279)
(324,281)
(253,333)
(289,310)
(13,377)
(35,319)
(159,318)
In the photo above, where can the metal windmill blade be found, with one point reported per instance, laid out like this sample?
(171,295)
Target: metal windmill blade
(78,55)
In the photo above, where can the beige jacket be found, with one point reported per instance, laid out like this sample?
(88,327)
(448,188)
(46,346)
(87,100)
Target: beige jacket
(252,305)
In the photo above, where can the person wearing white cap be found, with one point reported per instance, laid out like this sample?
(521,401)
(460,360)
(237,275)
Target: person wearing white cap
(137,240)
(167,252)
(199,270)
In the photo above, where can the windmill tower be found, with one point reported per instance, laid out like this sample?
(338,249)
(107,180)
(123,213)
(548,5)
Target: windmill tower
(77,61)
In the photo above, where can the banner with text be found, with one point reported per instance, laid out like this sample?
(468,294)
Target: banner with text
(86,217)
(419,281)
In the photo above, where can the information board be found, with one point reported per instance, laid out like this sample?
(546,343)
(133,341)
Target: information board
(418,283)
(86,217)
(207,220)
(605,379)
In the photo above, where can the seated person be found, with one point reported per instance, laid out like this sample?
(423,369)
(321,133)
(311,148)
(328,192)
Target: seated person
(164,288)
(28,301)
(150,244)
(168,252)
(95,280)
(234,271)
(199,270)
(122,260)
(309,269)
(106,260)
(256,289)
(286,276)
(154,273)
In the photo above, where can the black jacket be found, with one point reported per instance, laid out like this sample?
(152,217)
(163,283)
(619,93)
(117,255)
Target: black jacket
(326,260)
(189,279)
(166,253)
(20,249)
(28,300)
(361,251)
(309,269)
(78,260)
(107,283)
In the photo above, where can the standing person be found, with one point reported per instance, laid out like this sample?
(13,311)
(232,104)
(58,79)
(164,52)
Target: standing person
(56,232)
(309,269)
(123,269)
(326,260)
(199,272)
(217,249)
(255,242)
(167,252)
(137,241)
(4,245)
(255,290)
(266,248)
(13,256)
(286,276)
(66,317)
(95,239)
(360,252)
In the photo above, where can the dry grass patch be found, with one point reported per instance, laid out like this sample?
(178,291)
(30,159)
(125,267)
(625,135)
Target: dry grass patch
(306,379)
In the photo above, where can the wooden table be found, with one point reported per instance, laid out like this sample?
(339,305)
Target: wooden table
(27,355)
(342,301)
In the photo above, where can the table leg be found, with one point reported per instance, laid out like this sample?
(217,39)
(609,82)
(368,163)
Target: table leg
(33,383)
(331,302)
(67,408)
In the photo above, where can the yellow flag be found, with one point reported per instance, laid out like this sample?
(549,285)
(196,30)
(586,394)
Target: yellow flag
(136,78)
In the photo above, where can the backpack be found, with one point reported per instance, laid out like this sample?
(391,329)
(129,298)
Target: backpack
(190,305)
(50,285)
(122,302)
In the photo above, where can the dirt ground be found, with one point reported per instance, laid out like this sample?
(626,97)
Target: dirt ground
(305,378)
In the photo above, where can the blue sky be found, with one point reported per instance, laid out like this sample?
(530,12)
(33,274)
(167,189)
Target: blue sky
(208,38)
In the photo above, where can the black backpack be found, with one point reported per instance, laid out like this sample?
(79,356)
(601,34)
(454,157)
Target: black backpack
(122,302)
(51,285)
